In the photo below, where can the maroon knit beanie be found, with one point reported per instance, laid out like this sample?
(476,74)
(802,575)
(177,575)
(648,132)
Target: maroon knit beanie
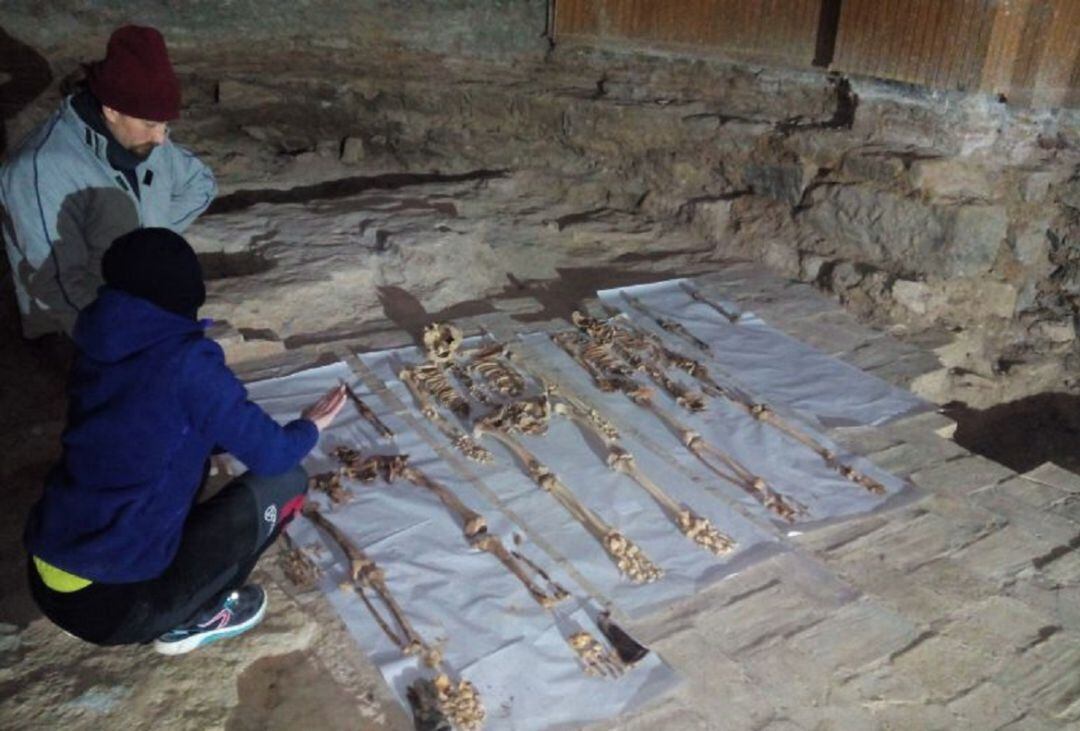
(136,77)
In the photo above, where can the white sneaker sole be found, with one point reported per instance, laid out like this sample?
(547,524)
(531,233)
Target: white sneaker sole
(188,644)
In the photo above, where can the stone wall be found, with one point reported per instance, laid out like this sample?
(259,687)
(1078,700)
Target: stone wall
(951,219)
(453,27)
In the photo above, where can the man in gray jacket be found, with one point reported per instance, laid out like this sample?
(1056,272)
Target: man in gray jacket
(100,166)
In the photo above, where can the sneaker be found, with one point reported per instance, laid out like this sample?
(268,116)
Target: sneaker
(238,612)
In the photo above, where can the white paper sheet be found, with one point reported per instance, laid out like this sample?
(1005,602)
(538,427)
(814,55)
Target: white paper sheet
(768,363)
(616,498)
(790,468)
(488,626)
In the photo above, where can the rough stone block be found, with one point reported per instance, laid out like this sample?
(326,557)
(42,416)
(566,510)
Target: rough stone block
(1031,492)
(1041,524)
(352,150)
(950,178)
(975,235)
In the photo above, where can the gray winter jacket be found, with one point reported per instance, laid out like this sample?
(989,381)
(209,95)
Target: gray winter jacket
(63,204)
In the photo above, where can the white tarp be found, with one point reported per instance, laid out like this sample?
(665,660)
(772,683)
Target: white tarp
(489,628)
(768,363)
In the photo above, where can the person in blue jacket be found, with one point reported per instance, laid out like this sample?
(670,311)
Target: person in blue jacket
(99,167)
(120,552)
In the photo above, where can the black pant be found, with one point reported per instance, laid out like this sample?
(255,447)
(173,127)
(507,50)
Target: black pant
(222,540)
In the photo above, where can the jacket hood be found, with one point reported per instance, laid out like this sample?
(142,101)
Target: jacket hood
(118,325)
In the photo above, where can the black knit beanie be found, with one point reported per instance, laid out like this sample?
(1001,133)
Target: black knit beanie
(158,265)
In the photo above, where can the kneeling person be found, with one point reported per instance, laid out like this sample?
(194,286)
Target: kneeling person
(119,551)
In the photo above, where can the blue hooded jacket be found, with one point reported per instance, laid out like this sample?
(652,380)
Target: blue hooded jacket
(150,397)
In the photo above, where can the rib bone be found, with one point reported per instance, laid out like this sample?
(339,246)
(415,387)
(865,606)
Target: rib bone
(461,441)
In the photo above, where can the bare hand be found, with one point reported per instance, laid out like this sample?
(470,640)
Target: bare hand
(322,412)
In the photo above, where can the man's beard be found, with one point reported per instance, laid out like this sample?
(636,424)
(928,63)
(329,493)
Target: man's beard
(142,151)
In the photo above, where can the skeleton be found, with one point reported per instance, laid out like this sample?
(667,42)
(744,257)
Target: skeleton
(629,559)
(461,441)
(441,341)
(367,414)
(694,526)
(729,468)
(330,484)
(365,574)
(760,411)
(474,526)
(638,352)
(697,296)
(432,379)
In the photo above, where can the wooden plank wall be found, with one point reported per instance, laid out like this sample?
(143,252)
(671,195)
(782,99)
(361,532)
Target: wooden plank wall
(776,30)
(1026,50)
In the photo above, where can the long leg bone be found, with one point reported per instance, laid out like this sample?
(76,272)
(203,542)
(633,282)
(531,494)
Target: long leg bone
(367,414)
(596,660)
(695,527)
(365,574)
(474,526)
(629,559)
(760,411)
(461,441)
(735,473)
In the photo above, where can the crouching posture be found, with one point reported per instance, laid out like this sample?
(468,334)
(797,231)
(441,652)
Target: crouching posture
(120,553)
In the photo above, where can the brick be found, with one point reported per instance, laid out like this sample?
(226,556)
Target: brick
(914,542)
(1034,493)
(905,458)
(1045,677)
(863,439)
(962,476)
(854,636)
(918,427)
(1003,553)
(1003,624)
(945,667)
(921,716)
(1059,477)
(1041,524)
(988,706)
(761,619)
